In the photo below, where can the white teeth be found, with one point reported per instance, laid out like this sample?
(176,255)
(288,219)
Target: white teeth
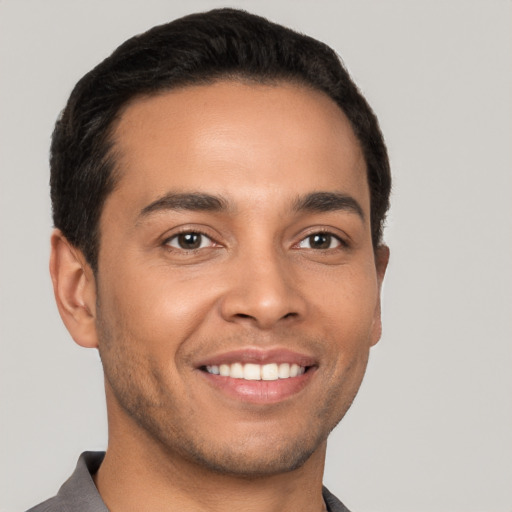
(237,371)
(213,369)
(294,370)
(269,372)
(284,371)
(251,371)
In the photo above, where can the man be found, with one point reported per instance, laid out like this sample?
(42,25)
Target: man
(219,187)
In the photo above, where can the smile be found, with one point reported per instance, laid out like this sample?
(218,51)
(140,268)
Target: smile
(260,377)
(252,371)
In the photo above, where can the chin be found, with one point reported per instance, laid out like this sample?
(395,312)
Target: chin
(258,454)
(243,462)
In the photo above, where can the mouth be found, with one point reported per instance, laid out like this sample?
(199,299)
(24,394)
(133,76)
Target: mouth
(253,371)
(259,377)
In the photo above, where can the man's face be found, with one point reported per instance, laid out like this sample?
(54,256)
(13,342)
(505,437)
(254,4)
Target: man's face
(236,248)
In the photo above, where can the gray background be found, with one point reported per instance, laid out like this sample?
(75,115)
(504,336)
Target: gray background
(432,427)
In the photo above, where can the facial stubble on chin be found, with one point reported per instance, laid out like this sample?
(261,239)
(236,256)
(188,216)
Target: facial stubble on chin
(136,384)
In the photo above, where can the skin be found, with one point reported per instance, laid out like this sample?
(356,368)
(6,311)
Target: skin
(257,282)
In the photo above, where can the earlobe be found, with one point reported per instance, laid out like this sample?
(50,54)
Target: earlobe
(381,264)
(75,290)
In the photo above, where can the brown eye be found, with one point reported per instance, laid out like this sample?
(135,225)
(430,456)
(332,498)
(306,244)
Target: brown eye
(189,241)
(321,241)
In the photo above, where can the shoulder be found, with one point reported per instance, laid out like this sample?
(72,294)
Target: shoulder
(79,491)
(54,504)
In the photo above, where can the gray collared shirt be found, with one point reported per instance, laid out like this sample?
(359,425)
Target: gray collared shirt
(79,493)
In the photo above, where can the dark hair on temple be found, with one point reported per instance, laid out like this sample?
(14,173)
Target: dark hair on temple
(196,49)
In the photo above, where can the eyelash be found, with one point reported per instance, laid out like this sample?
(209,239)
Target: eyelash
(323,232)
(167,242)
(185,232)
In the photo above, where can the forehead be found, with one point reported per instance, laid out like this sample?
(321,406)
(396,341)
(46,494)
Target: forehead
(232,137)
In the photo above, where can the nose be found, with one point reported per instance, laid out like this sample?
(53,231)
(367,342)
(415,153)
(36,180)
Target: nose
(263,292)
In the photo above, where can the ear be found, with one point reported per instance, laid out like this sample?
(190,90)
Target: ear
(74,287)
(381,264)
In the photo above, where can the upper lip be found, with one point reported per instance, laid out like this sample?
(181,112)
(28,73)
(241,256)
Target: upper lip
(258,356)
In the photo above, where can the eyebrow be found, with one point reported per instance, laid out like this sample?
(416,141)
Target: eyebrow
(197,201)
(328,202)
(187,201)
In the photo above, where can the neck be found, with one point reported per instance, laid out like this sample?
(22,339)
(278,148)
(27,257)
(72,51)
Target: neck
(138,473)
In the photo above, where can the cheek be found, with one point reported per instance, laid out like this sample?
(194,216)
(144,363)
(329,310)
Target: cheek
(348,303)
(347,309)
(155,308)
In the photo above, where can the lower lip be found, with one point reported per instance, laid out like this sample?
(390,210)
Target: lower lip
(260,391)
